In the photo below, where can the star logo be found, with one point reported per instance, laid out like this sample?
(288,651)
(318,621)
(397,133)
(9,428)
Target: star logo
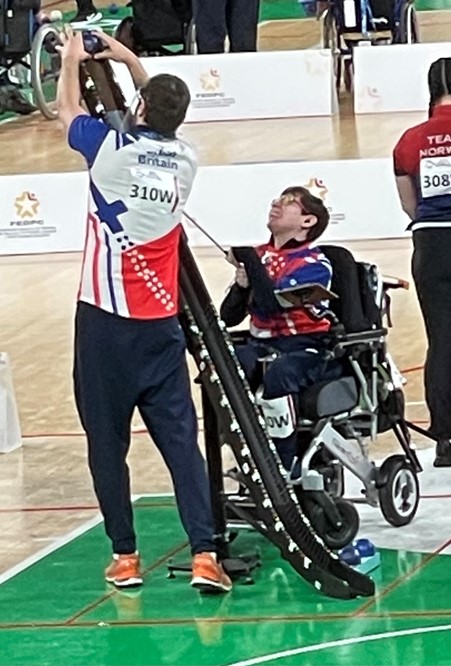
(371,98)
(317,187)
(27,205)
(316,64)
(210,81)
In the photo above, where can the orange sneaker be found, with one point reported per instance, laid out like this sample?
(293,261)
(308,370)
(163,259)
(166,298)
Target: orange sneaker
(124,571)
(208,574)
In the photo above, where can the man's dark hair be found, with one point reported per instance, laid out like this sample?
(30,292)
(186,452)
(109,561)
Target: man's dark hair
(166,100)
(439,81)
(313,206)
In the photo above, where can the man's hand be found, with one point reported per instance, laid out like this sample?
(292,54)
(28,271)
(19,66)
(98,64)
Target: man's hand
(118,52)
(72,47)
(114,50)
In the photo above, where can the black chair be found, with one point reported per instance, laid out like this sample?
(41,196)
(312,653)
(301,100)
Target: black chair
(157,26)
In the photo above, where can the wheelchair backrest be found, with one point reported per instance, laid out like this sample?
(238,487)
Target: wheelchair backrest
(160,22)
(356,285)
(16,27)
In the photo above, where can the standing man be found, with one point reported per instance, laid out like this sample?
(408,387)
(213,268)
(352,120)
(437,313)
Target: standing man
(217,19)
(423,176)
(129,346)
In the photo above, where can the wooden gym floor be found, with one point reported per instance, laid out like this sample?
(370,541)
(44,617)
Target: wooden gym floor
(45,488)
(37,302)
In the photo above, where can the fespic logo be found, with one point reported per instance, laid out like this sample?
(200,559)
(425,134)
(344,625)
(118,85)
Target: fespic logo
(27,205)
(210,81)
(317,187)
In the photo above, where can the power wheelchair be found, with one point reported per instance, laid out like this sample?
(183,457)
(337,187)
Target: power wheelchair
(339,418)
(348,23)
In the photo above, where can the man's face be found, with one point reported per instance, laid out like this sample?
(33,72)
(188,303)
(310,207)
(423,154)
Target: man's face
(286,215)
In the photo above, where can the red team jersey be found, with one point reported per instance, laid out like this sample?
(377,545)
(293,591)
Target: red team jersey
(424,154)
(139,184)
(291,267)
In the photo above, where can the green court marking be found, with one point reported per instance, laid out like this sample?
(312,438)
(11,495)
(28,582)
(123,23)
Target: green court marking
(71,578)
(216,644)
(166,622)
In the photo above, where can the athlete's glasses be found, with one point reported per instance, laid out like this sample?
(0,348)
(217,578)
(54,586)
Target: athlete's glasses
(286,200)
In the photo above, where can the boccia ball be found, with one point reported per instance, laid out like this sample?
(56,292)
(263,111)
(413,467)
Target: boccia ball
(365,547)
(350,555)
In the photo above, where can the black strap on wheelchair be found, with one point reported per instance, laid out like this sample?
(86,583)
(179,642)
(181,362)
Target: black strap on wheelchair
(227,389)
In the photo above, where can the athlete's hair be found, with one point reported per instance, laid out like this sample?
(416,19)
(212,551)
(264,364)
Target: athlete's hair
(166,100)
(439,81)
(313,206)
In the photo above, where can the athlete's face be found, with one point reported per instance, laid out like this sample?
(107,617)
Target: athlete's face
(287,215)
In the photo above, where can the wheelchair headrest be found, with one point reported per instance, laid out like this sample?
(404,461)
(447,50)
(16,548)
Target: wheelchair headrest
(356,306)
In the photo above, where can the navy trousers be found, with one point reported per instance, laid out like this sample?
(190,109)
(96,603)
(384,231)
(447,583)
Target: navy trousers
(216,19)
(431,269)
(121,364)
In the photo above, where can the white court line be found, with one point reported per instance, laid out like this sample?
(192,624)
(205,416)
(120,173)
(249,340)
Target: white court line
(418,402)
(58,543)
(62,541)
(340,643)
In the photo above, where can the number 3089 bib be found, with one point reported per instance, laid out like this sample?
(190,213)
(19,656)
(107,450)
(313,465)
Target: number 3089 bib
(435,176)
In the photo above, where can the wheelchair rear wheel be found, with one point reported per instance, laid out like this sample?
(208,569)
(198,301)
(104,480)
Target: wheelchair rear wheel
(331,41)
(408,31)
(45,70)
(399,492)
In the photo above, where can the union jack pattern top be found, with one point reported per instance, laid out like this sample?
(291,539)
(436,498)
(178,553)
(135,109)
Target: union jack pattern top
(139,182)
(290,267)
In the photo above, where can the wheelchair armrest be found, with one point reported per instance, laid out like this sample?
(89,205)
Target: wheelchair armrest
(389,282)
(361,339)
(240,336)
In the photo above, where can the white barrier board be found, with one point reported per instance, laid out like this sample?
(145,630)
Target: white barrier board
(47,213)
(42,212)
(236,86)
(390,79)
(233,202)
(10,435)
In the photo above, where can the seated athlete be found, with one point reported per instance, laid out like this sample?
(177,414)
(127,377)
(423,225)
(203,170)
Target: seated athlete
(270,285)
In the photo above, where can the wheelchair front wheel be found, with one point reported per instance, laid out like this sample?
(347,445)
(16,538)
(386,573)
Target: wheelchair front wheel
(399,492)
(334,537)
(45,70)
(337,538)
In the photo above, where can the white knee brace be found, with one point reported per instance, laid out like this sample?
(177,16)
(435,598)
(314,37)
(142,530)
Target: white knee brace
(279,414)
